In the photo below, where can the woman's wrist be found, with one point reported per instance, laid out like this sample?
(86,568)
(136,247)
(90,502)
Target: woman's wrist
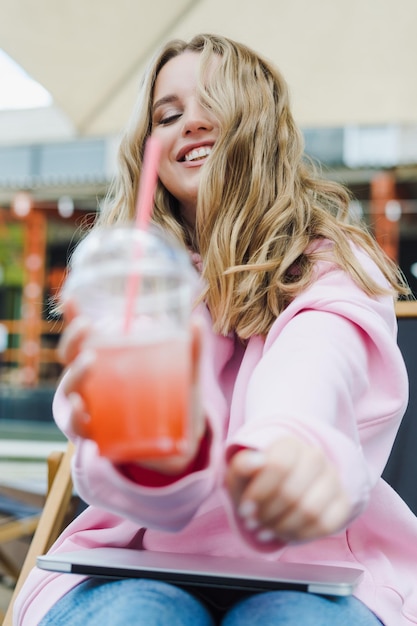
(163,472)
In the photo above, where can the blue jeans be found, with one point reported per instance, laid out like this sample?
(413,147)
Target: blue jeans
(136,602)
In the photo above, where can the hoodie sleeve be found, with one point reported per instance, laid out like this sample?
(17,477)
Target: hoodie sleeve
(140,497)
(332,374)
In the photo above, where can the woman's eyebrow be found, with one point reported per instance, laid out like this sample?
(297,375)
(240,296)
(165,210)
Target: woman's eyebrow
(169,99)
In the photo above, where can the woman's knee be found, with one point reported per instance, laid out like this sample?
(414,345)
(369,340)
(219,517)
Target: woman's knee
(293,608)
(127,601)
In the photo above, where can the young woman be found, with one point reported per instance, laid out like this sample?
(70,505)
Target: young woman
(301,381)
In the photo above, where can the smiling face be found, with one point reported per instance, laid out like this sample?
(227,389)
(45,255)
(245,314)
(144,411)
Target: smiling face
(184,128)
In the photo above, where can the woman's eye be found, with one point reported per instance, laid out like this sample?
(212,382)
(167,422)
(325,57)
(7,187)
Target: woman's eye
(168,119)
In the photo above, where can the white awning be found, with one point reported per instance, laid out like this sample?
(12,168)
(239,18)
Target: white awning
(346,61)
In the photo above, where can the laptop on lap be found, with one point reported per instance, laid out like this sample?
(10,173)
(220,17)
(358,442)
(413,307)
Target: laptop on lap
(203,570)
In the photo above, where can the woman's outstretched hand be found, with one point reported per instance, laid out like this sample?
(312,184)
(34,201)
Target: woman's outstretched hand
(289,492)
(78,362)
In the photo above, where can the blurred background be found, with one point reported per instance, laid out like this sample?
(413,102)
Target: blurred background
(69,77)
(70,72)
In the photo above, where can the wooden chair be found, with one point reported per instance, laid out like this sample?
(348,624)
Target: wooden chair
(21,503)
(51,520)
(18,520)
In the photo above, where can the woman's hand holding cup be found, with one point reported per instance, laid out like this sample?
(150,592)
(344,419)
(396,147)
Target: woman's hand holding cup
(133,387)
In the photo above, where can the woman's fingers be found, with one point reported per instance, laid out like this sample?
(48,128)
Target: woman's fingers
(72,339)
(80,419)
(70,311)
(72,386)
(243,467)
(295,494)
(288,475)
(321,511)
(74,376)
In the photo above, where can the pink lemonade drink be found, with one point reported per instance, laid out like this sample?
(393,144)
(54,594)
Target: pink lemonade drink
(138,397)
(137,290)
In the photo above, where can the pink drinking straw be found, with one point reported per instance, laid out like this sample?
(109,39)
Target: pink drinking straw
(144,206)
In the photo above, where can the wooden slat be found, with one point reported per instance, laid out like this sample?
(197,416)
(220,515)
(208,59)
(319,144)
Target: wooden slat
(47,355)
(50,523)
(15,327)
(45,327)
(18,528)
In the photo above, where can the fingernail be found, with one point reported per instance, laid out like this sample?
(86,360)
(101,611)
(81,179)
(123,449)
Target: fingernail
(86,358)
(81,322)
(247,509)
(76,400)
(265,535)
(251,523)
(255,459)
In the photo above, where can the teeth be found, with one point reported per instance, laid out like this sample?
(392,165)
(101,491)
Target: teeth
(198,153)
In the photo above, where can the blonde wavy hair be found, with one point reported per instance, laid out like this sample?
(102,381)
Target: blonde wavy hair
(261,202)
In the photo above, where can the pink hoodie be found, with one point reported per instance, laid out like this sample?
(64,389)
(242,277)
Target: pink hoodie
(329,372)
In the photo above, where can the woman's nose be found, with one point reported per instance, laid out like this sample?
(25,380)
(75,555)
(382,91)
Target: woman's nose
(196,118)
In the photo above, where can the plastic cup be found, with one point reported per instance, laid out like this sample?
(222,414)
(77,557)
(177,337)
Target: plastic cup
(138,391)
